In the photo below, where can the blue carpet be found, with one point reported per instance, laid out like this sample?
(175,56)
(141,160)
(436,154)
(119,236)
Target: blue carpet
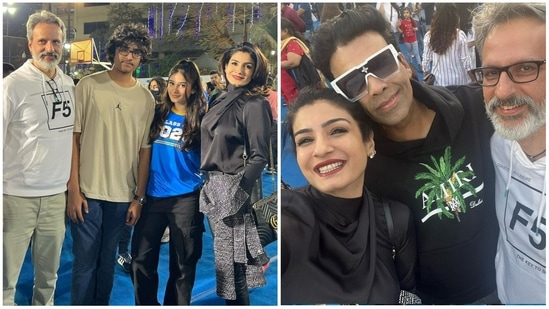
(204,292)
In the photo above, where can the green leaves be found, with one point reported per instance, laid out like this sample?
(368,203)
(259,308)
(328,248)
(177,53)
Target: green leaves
(445,185)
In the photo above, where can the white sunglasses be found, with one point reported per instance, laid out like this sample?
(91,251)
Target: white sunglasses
(353,84)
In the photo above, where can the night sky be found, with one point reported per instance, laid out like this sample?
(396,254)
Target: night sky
(14,32)
(18,20)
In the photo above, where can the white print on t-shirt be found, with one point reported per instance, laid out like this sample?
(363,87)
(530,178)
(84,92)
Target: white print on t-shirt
(171,134)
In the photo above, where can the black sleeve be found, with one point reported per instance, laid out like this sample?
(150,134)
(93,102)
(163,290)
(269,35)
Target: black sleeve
(257,121)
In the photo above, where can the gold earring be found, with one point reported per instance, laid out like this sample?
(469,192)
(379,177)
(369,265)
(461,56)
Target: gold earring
(372,155)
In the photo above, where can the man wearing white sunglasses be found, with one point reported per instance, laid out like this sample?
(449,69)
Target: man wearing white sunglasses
(433,154)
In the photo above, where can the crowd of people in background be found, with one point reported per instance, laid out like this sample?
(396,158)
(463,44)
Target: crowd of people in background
(435,38)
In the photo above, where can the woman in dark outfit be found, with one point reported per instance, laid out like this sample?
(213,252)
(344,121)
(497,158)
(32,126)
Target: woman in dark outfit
(335,241)
(239,119)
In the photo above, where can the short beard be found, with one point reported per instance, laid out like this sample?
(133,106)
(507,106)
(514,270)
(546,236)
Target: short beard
(46,65)
(530,124)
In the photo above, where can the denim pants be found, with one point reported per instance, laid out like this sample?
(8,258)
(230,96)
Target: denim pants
(125,239)
(94,248)
(412,49)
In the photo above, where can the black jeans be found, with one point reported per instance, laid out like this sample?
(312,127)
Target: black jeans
(186,224)
(241,287)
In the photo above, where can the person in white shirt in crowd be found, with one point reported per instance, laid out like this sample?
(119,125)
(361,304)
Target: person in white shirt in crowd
(445,48)
(464,12)
(391,12)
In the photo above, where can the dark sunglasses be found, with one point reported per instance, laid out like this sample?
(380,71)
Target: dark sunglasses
(353,84)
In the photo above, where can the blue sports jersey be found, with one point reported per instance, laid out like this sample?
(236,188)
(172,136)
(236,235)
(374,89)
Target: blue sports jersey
(173,172)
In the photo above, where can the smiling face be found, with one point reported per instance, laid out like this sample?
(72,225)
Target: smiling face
(239,69)
(179,89)
(330,149)
(46,46)
(387,102)
(516,110)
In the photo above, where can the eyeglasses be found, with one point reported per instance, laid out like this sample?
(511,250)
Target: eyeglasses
(54,90)
(136,53)
(353,84)
(520,73)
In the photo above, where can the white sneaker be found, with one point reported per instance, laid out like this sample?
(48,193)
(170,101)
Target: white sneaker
(125,260)
(166,236)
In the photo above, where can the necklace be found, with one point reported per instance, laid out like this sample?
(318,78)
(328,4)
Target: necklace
(535,157)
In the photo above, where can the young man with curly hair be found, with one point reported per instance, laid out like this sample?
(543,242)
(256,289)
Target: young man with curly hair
(110,163)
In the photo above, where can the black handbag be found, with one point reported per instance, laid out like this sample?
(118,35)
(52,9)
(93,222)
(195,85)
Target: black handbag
(305,74)
(266,210)
(429,78)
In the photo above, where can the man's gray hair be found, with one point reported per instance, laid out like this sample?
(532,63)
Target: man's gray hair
(486,17)
(46,17)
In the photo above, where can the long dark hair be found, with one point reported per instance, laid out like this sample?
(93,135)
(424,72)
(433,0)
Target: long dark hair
(444,27)
(259,77)
(195,107)
(160,81)
(289,26)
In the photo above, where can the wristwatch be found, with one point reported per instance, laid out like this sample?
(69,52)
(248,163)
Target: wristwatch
(141,199)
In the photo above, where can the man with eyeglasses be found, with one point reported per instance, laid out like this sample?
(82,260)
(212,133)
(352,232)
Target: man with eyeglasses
(37,133)
(433,154)
(511,41)
(110,164)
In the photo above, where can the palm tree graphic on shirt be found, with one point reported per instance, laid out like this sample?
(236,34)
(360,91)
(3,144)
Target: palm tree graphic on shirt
(445,186)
